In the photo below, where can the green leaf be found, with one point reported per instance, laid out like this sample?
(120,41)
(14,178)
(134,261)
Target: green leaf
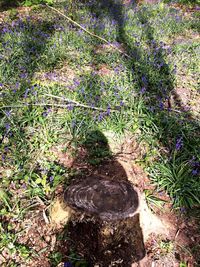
(38,181)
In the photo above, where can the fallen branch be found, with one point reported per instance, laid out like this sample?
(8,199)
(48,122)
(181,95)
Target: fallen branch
(88,32)
(76,104)
(79,104)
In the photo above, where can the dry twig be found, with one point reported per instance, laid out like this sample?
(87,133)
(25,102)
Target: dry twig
(88,32)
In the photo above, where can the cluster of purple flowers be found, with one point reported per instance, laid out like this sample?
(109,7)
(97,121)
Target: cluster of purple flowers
(195,164)
(5,153)
(68,264)
(179,143)
(32,90)
(46,112)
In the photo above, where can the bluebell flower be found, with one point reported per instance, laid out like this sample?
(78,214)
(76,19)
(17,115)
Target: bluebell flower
(152,109)
(121,103)
(51,178)
(70,107)
(194,172)
(68,264)
(6,149)
(82,90)
(76,82)
(108,111)
(23,75)
(17,85)
(45,114)
(100,117)
(73,123)
(8,113)
(143,90)
(26,93)
(5,30)
(161,105)
(179,143)
(7,126)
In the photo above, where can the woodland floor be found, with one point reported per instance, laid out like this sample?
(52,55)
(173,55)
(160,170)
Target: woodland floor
(146,122)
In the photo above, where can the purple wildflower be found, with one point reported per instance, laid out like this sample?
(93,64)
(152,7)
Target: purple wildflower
(152,109)
(144,80)
(100,117)
(186,108)
(179,143)
(26,93)
(5,30)
(97,98)
(24,186)
(121,103)
(45,114)
(8,113)
(161,105)
(76,82)
(51,178)
(143,90)
(117,107)
(6,150)
(116,94)
(23,75)
(7,126)
(194,172)
(68,264)
(82,91)
(108,110)
(73,123)
(70,107)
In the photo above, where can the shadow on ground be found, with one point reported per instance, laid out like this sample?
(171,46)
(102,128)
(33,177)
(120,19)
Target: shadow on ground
(97,239)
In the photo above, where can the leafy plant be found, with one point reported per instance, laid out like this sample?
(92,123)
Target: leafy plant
(153,200)
(166,247)
(176,178)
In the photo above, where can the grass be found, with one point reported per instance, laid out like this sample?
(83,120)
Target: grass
(134,95)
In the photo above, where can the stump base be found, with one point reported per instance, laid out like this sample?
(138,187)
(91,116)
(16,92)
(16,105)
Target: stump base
(116,243)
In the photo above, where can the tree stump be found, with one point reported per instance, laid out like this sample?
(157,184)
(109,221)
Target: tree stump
(109,233)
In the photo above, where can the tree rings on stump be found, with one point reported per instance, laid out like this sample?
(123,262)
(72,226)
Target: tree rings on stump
(105,198)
